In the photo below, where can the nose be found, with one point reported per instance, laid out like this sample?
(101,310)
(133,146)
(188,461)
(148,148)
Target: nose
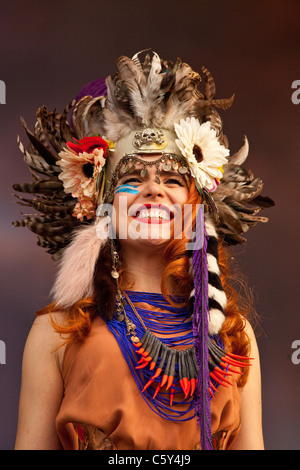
(153,189)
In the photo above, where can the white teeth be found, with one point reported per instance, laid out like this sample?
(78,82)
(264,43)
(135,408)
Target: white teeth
(154,214)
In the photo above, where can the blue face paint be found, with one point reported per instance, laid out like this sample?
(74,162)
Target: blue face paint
(127,188)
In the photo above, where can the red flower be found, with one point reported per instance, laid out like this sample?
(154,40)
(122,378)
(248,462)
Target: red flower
(80,432)
(88,144)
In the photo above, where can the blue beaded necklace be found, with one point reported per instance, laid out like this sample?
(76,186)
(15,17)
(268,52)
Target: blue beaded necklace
(174,323)
(174,326)
(167,373)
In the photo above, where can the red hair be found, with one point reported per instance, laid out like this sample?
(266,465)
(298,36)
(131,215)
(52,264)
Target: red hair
(238,306)
(176,275)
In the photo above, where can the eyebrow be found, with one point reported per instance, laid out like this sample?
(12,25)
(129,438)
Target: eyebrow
(162,173)
(132,173)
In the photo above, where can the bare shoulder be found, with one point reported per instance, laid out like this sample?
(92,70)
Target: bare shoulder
(253,341)
(249,330)
(44,340)
(44,321)
(251,435)
(42,386)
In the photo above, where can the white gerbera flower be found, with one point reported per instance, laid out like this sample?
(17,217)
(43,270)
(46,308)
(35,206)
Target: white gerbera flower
(204,153)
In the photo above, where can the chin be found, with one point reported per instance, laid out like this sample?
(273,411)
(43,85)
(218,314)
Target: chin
(151,233)
(144,242)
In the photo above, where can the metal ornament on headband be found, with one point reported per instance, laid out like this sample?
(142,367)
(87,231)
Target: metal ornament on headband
(142,142)
(147,141)
(149,137)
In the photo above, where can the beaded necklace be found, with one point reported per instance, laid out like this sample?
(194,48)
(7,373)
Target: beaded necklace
(165,375)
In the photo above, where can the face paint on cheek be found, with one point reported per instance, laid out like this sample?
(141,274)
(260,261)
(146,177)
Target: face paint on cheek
(126,188)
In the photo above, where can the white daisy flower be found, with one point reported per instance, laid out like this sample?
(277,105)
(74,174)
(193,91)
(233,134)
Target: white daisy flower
(204,153)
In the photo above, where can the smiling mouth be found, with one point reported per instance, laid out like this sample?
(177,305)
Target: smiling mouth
(153,214)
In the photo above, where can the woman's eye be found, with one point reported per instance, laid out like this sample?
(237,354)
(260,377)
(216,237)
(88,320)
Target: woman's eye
(174,181)
(131,180)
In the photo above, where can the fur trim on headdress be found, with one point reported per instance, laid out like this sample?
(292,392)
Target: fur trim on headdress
(75,279)
(216,296)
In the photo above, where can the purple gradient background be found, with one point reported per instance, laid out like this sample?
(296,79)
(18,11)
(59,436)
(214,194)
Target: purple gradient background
(49,50)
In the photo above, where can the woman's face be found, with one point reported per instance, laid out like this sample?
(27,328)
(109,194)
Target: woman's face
(147,210)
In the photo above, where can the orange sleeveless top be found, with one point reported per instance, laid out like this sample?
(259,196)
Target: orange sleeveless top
(102,407)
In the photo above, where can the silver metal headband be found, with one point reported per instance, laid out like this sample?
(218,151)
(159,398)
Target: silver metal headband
(165,162)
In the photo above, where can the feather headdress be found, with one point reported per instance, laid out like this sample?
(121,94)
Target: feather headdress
(142,93)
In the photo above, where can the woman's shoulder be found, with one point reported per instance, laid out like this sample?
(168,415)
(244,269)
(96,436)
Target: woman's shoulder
(43,339)
(43,326)
(249,330)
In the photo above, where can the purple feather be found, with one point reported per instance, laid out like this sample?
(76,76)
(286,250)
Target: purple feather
(94,88)
(200,330)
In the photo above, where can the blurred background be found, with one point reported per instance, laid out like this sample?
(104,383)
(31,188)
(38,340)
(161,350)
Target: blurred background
(49,50)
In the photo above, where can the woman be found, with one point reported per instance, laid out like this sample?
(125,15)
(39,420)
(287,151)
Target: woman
(144,346)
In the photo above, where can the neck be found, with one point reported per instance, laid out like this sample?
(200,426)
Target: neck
(145,268)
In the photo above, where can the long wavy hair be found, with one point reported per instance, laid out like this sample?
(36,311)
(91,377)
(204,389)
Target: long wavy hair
(78,318)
